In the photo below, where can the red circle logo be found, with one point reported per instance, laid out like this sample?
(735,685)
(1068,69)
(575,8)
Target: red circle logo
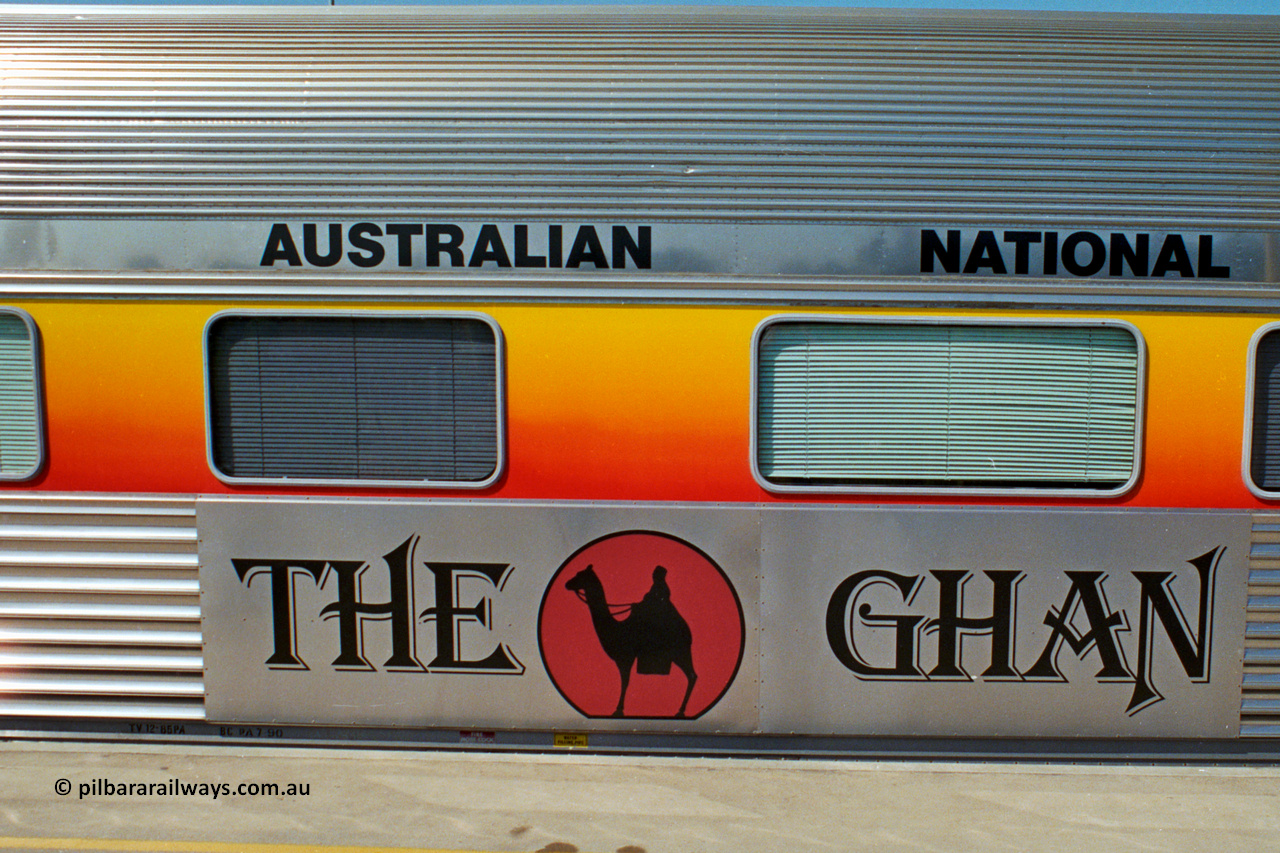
(643,625)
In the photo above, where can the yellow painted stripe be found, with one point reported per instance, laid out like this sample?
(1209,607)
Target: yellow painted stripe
(142,846)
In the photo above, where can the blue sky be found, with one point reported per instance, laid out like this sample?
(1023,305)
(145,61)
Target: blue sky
(1247,7)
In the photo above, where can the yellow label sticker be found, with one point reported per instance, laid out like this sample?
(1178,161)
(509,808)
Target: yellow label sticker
(570,740)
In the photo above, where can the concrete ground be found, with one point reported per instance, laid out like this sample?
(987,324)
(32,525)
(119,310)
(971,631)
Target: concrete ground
(360,800)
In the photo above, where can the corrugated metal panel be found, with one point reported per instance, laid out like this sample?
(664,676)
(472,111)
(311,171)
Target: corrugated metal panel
(100,609)
(1260,704)
(661,114)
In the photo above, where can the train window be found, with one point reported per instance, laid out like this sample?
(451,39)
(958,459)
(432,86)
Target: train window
(1262,444)
(21,416)
(865,404)
(370,399)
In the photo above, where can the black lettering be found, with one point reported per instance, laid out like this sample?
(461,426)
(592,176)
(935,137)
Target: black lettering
(280,247)
(1192,649)
(523,258)
(951,624)
(285,653)
(310,249)
(1206,267)
(444,238)
(985,252)
(1097,258)
(404,232)
(1022,241)
(371,252)
(555,246)
(489,247)
(1173,257)
(348,608)
(639,248)
(843,609)
(351,611)
(448,614)
(1087,592)
(1051,253)
(1137,257)
(931,248)
(587,249)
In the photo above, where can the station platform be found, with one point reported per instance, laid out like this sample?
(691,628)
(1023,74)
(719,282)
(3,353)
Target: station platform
(102,796)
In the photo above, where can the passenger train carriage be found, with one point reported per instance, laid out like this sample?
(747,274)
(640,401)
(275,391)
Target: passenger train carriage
(621,377)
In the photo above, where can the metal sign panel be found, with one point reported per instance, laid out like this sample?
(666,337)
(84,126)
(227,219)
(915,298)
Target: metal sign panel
(626,246)
(432,614)
(1001,622)
(813,620)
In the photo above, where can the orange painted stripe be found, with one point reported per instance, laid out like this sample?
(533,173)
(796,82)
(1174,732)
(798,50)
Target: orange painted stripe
(612,402)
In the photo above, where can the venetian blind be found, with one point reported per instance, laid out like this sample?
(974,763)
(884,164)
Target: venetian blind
(947,405)
(1264,451)
(20,427)
(340,398)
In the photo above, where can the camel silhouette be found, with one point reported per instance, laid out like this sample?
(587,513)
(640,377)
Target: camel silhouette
(650,632)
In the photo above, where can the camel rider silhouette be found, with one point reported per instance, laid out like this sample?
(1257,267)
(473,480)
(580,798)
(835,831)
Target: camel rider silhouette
(657,617)
(659,591)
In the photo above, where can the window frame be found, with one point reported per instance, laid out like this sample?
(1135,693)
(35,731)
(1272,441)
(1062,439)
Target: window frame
(934,489)
(500,407)
(37,379)
(1250,391)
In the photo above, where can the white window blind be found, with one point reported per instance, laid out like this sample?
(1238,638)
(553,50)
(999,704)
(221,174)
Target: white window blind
(21,428)
(947,405)
(412,399)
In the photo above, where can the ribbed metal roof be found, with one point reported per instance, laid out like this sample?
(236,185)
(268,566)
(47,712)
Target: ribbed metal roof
(655,114)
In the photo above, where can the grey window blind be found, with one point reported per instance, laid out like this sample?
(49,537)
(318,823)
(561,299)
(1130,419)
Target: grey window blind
(340,398)
(21,429)
(1264,450)
(904,404)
